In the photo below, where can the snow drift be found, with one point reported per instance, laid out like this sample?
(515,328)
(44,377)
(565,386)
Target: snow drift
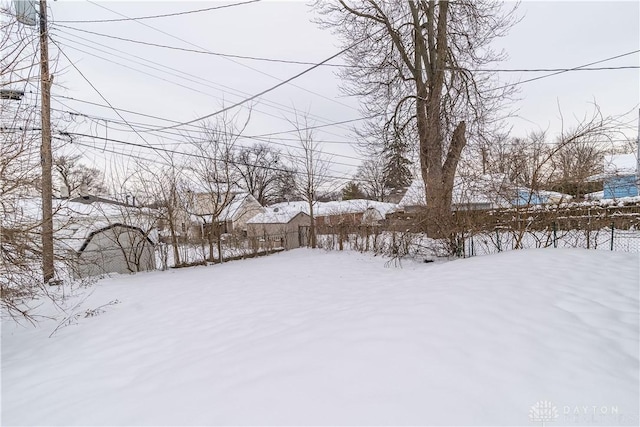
(314,338)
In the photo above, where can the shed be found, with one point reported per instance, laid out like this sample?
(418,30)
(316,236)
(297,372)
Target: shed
(92,236)
(115,248)
(282,228)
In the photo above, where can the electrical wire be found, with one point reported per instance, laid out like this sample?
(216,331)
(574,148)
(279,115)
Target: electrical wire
(194,155)
(228,59)
(259,94)
(197,127)
(297,62)
(565,70)
(162,147)
(142,127)
(96,89)
(192,140)
(166,15)
(204,52)
(209,83)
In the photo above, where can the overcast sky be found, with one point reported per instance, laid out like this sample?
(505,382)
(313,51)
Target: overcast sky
(550,35)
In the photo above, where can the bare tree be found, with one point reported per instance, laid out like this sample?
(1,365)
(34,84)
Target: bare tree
(534,164)
(164,187)
(371,178)
(74,174)
(523,160)
(20,245)
(414,63)
(574,163)
(262,172)
(312,168)
(212,185)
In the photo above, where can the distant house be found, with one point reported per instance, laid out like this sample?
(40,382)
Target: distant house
(619,179)
(482,192)
(279,227)
(351,212)
(620,176)
(229,211)
(242,208)
(477,193)
(526,196)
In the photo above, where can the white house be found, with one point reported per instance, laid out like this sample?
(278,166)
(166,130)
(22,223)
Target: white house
(482,192)
(489,191)
(230,211)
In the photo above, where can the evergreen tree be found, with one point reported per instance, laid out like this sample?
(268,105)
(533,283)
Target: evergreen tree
(352,191)
(396,171)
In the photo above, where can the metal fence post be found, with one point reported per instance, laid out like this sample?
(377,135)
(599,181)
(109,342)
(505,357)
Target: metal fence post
(498,240)
(589,229)
(473,251)
(612,233)
(555,234)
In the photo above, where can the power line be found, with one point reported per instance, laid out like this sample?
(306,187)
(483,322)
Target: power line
(136,131)
(198,128)
(566,70)
(541,70)
(228,59)
(249,99)
(259,94)
(146,159)
(194,155)
(143,127)
(95,88)
(206,52)
(194,141)
(213,85)
(296,62)
(166,15)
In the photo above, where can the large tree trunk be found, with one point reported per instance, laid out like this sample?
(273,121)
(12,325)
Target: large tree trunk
(438,171)
(439,179)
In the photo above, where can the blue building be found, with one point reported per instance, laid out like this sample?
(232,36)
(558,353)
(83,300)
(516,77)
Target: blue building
(528,197)
(616,187)
(620,177)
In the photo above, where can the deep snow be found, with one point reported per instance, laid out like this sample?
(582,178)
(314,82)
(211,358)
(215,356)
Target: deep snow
(309,337)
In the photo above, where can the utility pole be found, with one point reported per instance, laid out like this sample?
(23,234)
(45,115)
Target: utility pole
(638,155)
(45,149)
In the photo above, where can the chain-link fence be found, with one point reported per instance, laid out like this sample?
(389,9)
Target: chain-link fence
(227,247)
(507,238)
(612,228)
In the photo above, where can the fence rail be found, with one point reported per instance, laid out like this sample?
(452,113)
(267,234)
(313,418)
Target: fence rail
(612,228)
(504,238)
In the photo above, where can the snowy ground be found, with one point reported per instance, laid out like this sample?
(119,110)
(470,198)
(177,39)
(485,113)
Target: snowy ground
(308,337)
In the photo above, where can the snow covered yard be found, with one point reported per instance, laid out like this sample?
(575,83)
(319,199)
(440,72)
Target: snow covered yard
(314,338)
